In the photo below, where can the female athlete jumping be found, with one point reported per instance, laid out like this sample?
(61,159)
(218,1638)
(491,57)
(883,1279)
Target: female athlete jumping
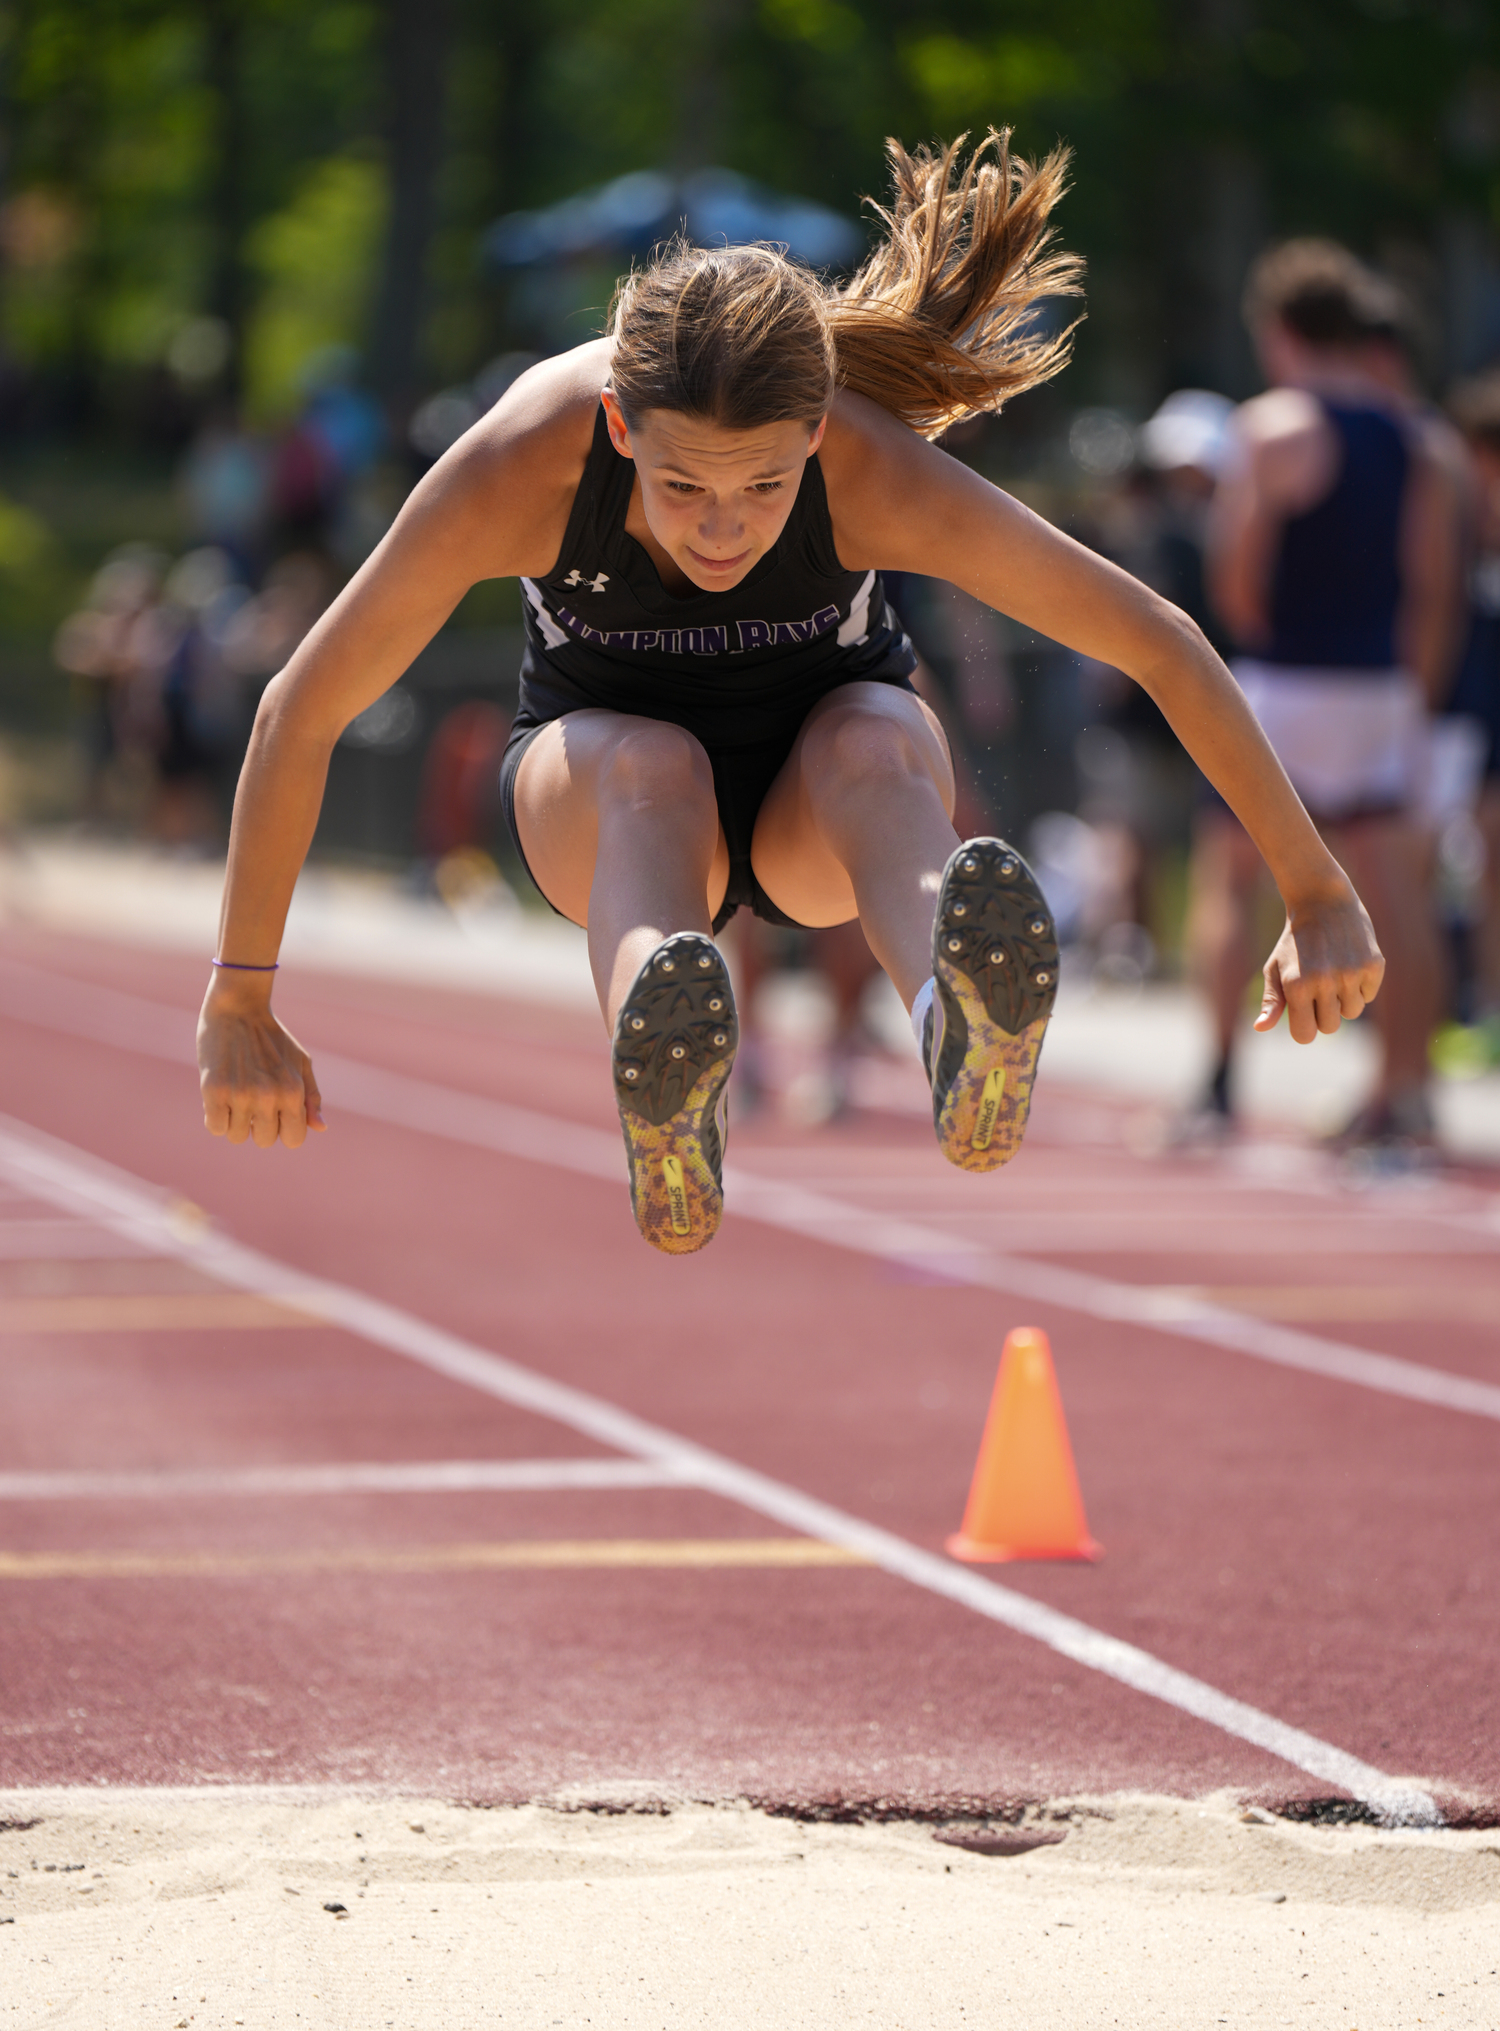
(716,702)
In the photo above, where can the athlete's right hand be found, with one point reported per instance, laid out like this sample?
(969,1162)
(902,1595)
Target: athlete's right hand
(257,1080)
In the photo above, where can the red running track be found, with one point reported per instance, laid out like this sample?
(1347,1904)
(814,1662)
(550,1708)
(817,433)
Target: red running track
(1319,1547)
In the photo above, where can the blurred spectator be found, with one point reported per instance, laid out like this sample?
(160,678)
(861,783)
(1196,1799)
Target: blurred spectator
(1183,448)
(1136,785)
(458,803)
(265,629)
(1333,562)
(105,647)
(440,421)
(823,1078)
(320,461)
(151,644)
(199,710)
(964,674)
(225,481)
(1475,699)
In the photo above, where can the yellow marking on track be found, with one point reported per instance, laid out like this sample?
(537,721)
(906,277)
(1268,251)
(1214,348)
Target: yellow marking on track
(671,1173)
(148,1312)
(520,1553)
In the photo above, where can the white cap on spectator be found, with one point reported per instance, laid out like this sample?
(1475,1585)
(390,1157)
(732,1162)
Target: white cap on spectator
(1191,428)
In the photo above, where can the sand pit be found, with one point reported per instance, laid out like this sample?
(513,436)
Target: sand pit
(187,1910)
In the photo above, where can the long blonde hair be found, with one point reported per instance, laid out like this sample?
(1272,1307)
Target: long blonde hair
(940,323)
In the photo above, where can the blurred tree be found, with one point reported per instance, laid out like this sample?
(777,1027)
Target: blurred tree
(155,143)
(226,293)
(417,35)
(314,262)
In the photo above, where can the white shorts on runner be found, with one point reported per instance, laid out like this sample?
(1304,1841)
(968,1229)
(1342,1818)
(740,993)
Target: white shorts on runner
(1354,742)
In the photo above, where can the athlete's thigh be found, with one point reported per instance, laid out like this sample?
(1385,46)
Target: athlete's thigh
(792,860)
(558,788)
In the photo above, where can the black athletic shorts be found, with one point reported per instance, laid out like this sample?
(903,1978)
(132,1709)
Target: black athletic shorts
(742,776)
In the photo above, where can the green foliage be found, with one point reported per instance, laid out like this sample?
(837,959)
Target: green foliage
(966,82)
(25,541)
(1377,120)
(315,262)
(108,167)
(108,228)
(36,587)
(825,25)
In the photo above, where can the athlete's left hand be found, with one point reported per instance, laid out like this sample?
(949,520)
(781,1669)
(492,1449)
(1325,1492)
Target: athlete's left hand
(257,1080)
(1326,967)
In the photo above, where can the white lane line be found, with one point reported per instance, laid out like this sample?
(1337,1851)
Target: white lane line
(81,1183)
(396,1477)
(154,1029)
(1162,1307)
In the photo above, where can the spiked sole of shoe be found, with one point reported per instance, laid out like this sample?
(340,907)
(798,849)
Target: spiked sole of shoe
(674,1047)
(994,957)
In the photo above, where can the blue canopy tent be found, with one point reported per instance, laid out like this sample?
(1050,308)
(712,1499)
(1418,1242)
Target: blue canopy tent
(632,214)
(553,258)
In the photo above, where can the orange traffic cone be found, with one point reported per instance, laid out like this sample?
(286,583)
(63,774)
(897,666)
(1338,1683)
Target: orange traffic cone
(1024,1502)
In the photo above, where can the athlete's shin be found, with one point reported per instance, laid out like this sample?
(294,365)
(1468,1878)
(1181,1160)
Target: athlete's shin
(658,854)
(877,791)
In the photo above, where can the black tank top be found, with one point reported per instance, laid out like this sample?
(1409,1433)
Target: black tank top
(1337,580)
(732,667)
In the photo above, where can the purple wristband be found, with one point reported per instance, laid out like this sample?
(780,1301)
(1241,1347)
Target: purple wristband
(238,966)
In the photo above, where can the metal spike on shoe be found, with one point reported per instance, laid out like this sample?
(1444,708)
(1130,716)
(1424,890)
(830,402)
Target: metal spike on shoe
(674,1045)
(995,962)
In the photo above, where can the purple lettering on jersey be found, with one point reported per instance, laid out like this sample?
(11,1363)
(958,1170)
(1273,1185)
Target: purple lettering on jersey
(704,641)
(580,628)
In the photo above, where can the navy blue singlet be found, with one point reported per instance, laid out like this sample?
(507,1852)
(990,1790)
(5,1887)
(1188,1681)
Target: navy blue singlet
(1336,585)
(1476,689)
(740,669)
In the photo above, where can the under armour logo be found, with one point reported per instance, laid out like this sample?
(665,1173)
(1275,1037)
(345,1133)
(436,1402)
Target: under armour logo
(576,577)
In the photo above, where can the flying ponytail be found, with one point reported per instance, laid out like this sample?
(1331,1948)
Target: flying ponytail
(940,323)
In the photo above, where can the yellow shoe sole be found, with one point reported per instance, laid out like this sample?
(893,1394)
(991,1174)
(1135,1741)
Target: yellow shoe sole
(673,1050)
(994,961)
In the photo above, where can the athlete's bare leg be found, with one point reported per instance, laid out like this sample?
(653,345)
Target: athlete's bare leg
(1488,940)
(1385,858)
(621,832)
(1224,876)
(1388,860)
(859,823)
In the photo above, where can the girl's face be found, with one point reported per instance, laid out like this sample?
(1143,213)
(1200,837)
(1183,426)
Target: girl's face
(715,500)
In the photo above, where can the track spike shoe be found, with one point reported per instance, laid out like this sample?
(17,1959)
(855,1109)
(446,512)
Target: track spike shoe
(994,960)
(674,1044)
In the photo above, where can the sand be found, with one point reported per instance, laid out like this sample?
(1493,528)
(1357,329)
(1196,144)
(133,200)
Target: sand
(209,1908)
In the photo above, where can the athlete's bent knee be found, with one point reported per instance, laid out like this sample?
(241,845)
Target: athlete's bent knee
(854,743)
(657,763)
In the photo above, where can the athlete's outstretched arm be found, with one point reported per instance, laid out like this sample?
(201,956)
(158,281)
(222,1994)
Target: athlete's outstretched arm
(495,506)
(900,503)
